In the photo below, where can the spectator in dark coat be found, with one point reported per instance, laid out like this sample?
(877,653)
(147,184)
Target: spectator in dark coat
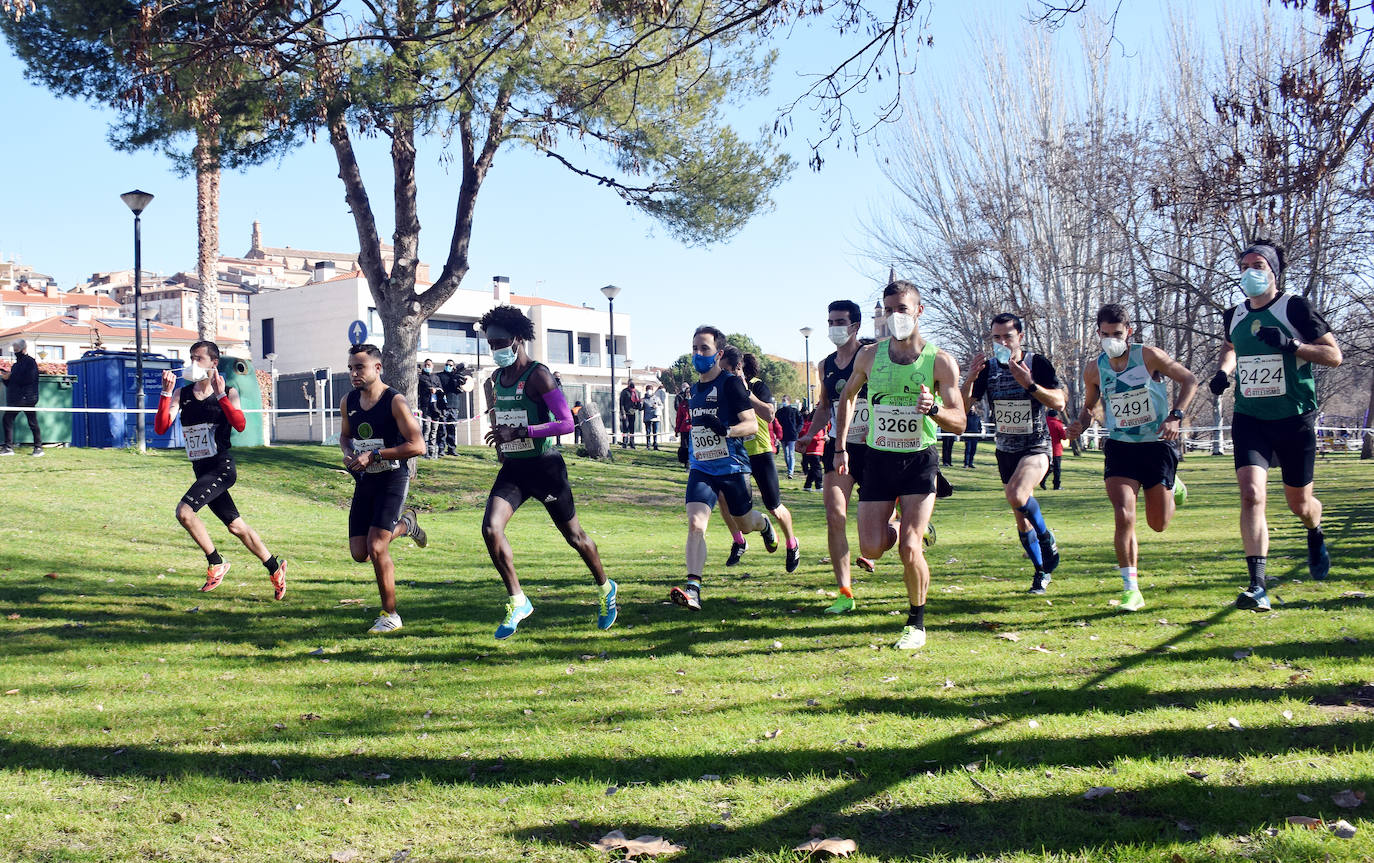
(971,432)
(791,421)
(21,390)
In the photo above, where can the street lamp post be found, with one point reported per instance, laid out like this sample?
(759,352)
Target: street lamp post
(610,292)
(272,373)
(806,334)
(138,201)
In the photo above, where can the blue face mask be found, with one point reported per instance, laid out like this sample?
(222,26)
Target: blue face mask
(503,356)
(1254,282)
(704,363)
(1001,353)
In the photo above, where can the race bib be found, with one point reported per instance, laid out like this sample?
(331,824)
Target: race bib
(200,441)
(1132,408)
(362,445)
(1261,376)
(897,427)
(516,419)
(707,445)
(1013,417)
(858,423)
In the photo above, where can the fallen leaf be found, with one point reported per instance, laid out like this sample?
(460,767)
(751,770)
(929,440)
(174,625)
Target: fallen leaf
(1033,724)
(219,840)
(836,847)
(13,616)
(1353,594)
(319,651)
(1348,799)
(811,702)
(1234,723)
(1197,774)
(345,855)
(50,575)
(651,846)
(777,645)
(279,726)
(11,692)
(612,790)
(1040,648)
(175,817)
(949,684)
(773,734)
(1303,798)
(1177,858)
(1243,653)
(1009,636)
(1304,821)
(1098,791)
(1343,829)
(710,777)
(1287,714)
(309,717)
(889,679)
(350,602)
(1294,678)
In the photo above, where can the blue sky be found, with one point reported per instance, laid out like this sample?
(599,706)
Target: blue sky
(553,234)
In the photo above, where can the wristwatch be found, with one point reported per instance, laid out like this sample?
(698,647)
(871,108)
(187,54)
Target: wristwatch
(377,455)
(934,409)
(1032,388)
(1176,414)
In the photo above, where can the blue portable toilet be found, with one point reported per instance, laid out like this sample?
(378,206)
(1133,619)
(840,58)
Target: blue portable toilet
(107,379)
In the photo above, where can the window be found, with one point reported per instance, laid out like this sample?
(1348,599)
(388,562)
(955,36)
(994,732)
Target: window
(560,346)
(451,337)
(50,353)
(269,336)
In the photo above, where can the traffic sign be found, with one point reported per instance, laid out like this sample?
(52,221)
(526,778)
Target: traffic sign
(357,333)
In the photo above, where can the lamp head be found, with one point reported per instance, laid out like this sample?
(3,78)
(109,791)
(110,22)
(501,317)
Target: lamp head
(610,292)
(137,200)
(806,332)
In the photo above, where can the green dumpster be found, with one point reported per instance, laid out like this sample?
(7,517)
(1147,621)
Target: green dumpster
(54,391)
(239,374)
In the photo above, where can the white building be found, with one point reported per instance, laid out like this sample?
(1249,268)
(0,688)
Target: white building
(307,329)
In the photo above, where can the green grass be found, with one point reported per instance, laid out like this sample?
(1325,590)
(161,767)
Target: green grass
(153,722)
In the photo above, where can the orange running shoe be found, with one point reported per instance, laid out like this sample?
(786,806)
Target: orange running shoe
(214,575)
(279,579)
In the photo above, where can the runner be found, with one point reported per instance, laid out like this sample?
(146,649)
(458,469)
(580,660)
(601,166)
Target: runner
(843,318)
(529,411)
(1130,381)
(722,419)
(1019,387)
(761,463)
(208,410)
(1272,341)
(913,390)
(378,436)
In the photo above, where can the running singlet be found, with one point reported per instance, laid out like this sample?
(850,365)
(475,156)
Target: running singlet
(1019,415)
(725,397)
(204,425)
(833,379)
(374,428)
(897,424)
(1270,384)
(761,442)
(1134,404)
(517,409)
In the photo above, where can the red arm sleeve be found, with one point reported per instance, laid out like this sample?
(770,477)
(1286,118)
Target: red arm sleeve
(163,420)
(233,414)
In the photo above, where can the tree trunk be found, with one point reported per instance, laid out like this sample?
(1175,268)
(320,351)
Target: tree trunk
(207,228)
(1367,447)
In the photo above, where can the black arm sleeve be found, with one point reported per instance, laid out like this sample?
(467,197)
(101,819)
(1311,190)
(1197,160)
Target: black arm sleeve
(980,383)
(1226,317)
(1043,373)
(736,399)
(762,392)
(1306,320)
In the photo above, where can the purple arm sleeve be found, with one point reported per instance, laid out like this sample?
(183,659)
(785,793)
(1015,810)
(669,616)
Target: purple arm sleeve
(562,422)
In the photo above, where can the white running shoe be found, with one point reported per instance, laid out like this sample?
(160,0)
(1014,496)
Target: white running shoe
(913,638)
(386,623)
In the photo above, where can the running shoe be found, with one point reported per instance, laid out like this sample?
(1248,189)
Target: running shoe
(1131,600)
(514,614)
(386,623)
(37,451)
(841,604)
(7,450)
(1039,582)
(737,550)
(687,596)
(1253,598)
(606,611)
(929,539)
(1180,492)
(770,536)
(1319,564)
(1049,551)
(411,518)
(864,563)
(279,579)
(913,638)
(213,576)
(794,558)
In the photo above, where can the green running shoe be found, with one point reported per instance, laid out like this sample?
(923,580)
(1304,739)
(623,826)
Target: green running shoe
(841,604)
(1180,492)
(1131,600)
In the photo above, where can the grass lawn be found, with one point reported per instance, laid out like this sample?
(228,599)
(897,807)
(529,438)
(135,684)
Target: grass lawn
(146,721)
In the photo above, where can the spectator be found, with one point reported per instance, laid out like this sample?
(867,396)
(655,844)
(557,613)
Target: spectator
(791,421)
(1057,437)
(21,391)
(577,421)
(811,458)
(682,424)
(432,405)
(650,408)
(972,430)
(630,405)
(452,378)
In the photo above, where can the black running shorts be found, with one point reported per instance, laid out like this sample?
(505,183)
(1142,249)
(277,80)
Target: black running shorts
(1291,441)
(378,499)
(1149,463)
(214,477)
(544,478)
(890,475)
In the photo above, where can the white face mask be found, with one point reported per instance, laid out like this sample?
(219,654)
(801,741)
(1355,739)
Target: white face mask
(839,335)
(1113,347)
(193,373)
(901,324)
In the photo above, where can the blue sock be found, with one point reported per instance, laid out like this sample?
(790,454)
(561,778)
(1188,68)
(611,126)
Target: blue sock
(1032,547)
(1032,511)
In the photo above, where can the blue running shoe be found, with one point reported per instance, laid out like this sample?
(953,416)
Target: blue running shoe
(1049,552)
(1319,564)
(606,613)
(514,614)
(1253,598)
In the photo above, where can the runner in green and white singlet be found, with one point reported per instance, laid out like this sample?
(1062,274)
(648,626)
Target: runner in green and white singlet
(913,389)
(1132,383)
